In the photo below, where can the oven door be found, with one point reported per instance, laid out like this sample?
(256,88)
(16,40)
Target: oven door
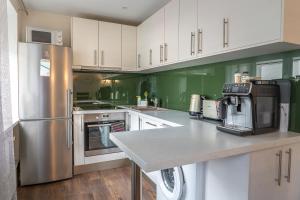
(97,140)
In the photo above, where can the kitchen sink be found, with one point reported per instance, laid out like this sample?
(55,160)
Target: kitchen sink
(147,108)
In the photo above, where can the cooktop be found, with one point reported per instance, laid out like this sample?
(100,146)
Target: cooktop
(94,105)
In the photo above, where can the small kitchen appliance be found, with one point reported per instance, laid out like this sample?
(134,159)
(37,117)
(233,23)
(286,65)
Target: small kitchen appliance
(196,105)
(251,108)
(213,109)
(45,111)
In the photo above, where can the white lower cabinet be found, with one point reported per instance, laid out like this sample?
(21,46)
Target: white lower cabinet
(275,174)
(271,174)
(134,121)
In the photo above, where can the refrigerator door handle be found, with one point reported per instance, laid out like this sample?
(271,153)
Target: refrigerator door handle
(69,133)
(69,103)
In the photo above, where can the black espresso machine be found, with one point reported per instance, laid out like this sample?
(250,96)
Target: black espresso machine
(251,108)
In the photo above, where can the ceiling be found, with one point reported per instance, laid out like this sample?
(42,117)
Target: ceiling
(123,11)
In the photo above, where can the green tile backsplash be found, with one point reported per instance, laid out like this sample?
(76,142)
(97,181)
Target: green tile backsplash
(175,87)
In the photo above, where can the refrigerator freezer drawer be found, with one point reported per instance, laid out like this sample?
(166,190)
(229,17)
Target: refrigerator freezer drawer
(46,151)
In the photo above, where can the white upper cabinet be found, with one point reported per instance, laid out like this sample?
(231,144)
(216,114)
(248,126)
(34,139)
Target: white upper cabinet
(253,22)
(210,34)
(187,29)
(110,36)
(142,46)
(156,38)
(171,32)
(85,42)
(129,60)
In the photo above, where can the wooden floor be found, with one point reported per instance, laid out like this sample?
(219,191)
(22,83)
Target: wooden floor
(101,185)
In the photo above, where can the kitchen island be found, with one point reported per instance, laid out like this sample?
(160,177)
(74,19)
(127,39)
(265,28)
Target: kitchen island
(195,141)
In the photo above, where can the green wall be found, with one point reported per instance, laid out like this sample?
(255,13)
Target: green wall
(175,87)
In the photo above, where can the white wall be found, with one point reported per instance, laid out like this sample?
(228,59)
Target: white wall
(12,18)
(45,20)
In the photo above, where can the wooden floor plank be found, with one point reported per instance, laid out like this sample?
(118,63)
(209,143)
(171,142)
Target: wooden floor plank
(113,184)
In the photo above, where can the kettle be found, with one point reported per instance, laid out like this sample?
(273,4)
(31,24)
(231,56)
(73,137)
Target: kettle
(196,105)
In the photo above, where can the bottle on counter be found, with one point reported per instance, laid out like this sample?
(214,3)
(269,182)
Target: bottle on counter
(237,77)
(245,78)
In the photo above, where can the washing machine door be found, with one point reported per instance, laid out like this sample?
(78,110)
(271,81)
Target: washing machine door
(171,183)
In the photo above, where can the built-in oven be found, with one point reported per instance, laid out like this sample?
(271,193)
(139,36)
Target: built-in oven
(97,128)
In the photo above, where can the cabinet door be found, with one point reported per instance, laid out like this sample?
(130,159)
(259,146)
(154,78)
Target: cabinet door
(85,42)
(129,47)
(254,22)
(264,174)
(149,124)
(143,45)
(134,122)
(110,45)
(187,29)
(171,32)
(210,26)
(291,172)
(156,38)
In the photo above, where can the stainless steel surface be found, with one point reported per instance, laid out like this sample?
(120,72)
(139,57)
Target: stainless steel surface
(278,179)
(45,156)
(101,152)
(288,176)
(95,57)
(104,117)
(99,144)
(225,32)
(166,52)
(43,96)
(102,57)
(200,40)
(150,56)
(241,118)
(45,110)
(195,104)
(161,47)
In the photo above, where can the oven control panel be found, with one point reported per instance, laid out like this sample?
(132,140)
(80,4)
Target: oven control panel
(104,116)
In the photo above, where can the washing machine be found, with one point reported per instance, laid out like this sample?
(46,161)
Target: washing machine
(181,183)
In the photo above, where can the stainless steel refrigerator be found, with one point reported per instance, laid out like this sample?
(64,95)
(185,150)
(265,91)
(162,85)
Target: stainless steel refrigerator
(45,111)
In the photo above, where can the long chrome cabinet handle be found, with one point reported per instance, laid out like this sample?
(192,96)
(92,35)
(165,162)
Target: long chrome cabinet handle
(288,176)
(95,57)
(192,43)
(161,49)
(150,56)
(140,124)
(278,179)
(139,60)
(102,57)
(225,32)
(151,124)
(81,123)
(200,40)
(166,52)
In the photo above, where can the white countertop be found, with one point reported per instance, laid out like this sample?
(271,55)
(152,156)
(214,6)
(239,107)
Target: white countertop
(195,141)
